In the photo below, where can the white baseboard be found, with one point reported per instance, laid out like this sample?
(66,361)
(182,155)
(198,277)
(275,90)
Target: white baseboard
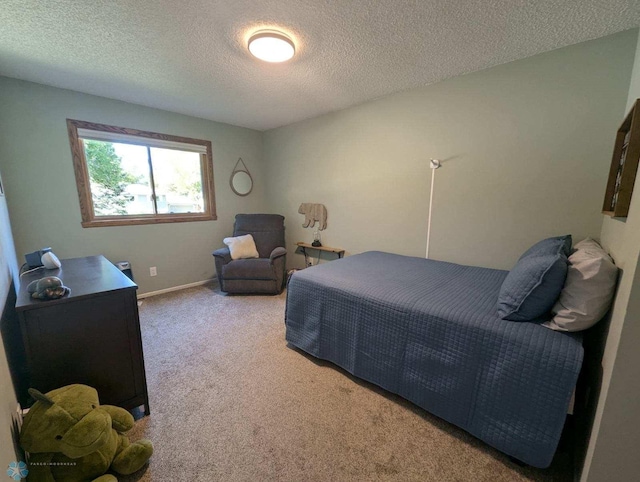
(148,294)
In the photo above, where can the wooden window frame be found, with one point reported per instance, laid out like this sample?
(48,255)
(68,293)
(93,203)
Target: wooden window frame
(80,168)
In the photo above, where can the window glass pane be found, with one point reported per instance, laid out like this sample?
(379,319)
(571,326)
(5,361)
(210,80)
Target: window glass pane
(178,181)
(119,176)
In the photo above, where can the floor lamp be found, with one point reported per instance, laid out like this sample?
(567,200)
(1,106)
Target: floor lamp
(433,164)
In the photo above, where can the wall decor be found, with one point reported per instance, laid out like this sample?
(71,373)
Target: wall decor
(624,166)
(313,212)
(241,181)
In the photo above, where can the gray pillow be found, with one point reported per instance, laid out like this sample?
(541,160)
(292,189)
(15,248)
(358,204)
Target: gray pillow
(588,291)
(532,287)
(554,245)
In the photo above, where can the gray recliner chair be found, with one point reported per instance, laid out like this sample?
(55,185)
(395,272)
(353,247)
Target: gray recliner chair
(263,275)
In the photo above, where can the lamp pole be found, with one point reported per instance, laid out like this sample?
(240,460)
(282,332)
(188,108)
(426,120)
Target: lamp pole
(433,164)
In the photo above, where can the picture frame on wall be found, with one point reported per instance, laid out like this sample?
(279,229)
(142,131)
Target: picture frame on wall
(624,166)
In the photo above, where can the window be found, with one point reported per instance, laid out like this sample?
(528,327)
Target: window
(126,176)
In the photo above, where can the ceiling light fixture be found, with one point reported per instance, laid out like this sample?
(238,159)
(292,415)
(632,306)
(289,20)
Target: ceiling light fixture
(271,46)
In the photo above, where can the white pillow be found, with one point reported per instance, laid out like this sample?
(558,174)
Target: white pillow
(588,290)
(242,247)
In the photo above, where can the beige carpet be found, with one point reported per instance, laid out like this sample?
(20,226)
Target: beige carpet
(230,401)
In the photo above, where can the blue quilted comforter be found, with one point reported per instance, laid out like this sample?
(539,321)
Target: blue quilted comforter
(429,331)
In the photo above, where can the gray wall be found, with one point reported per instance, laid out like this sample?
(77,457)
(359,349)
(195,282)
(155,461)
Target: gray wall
(615,439)
(526,148)
(38,173)
(8,403)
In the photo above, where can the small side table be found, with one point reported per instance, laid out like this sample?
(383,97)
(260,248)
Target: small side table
(328,249)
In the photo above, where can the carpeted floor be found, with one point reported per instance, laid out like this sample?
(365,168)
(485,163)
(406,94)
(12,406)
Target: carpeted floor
(230,401)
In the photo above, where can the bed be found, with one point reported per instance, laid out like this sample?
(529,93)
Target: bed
(429,332)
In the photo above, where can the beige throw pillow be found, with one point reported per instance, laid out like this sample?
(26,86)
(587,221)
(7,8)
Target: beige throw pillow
(588,290)
(242,247)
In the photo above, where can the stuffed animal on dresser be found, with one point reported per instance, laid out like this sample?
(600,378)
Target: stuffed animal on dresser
(49,288)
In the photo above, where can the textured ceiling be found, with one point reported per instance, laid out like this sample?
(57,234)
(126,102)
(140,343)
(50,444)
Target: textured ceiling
(190,57)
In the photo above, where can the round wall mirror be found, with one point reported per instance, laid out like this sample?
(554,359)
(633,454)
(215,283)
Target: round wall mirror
(241,181)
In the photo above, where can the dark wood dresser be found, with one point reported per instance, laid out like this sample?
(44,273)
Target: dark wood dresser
(92,336)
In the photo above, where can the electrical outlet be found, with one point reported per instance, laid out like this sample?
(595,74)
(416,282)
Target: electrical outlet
(153,271)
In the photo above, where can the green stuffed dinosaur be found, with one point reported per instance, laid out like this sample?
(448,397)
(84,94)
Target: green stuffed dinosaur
(71,438)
